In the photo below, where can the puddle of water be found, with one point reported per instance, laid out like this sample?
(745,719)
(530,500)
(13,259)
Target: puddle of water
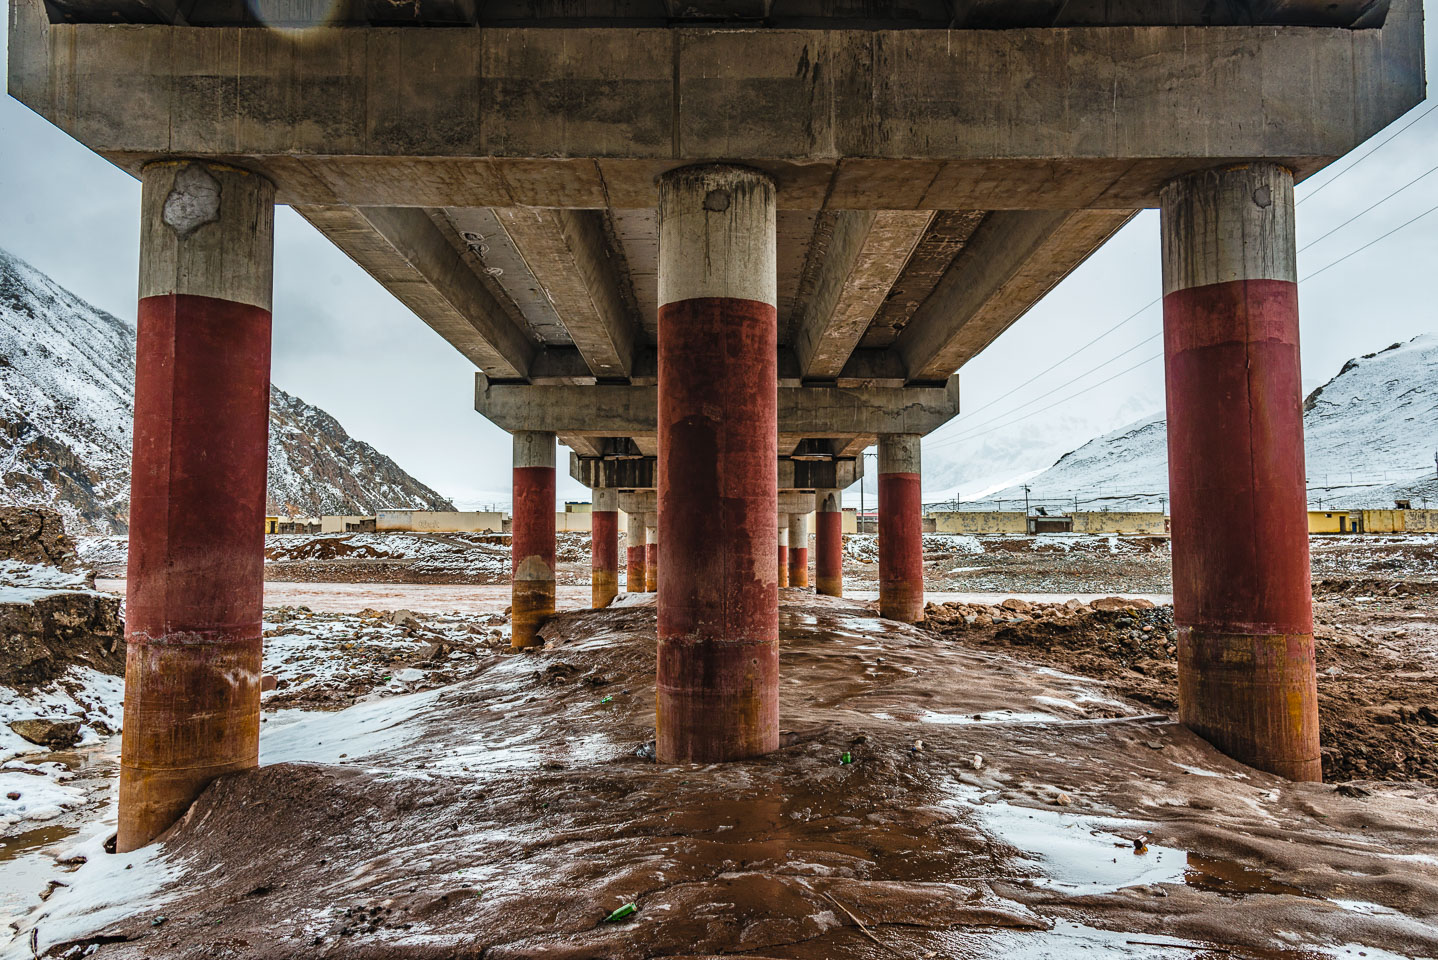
(1075,853)
(1232,879)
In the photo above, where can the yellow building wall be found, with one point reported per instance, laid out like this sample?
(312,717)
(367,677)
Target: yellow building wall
(1420,521)
(979,521)
(1324,521)
(272,524)
(1383,521)
(566,522)
(1096,521)
(850,521)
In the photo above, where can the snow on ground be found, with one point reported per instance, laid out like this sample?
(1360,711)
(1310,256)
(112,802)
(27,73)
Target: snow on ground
(83,693)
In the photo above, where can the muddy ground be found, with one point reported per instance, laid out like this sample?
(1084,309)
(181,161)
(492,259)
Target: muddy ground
(1377,670)
(934,797)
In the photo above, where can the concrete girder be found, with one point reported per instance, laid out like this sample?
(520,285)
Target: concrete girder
(1008,264)
(623,410)
(1106,115)
(945,14)
(608,474)
(864,254)
(569,256)
(796,501)
(405,251)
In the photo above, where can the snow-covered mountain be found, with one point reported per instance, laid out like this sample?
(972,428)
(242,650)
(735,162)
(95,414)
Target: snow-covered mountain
(66,400)
(1370,435)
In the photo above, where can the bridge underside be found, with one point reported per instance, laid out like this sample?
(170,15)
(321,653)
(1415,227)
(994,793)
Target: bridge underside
(717,249)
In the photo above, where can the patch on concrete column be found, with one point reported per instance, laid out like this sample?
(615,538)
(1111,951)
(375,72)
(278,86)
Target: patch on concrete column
(533,567)
(194,200)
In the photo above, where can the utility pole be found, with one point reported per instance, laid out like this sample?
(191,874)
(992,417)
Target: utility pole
(1026,499)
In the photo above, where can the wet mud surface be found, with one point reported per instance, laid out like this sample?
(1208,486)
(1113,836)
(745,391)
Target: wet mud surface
(933,797)
(1377,670)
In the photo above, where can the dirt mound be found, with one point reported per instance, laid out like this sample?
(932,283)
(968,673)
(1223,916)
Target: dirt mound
(928,800)
(1377,699)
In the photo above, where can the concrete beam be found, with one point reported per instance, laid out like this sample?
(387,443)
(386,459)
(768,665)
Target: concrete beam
(863,256)
(1008,264)
(819,474)
(623,410)
(405,251)
(568,255)
(843,119)
(612,474)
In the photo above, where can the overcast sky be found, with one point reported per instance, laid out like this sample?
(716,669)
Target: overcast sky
(343,343)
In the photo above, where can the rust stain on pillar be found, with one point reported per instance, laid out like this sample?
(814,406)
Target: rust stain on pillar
(718,659)
(901,530)
(604,548)
(194,589)
(532,537)
(1242,601)
(829,543)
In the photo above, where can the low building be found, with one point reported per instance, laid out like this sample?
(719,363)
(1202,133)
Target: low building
(1151,523)
(440,521)
(346,523)
(272,525)
(973,522)
(1328,521)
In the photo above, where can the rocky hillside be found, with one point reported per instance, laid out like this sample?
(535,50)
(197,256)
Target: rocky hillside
(1370,435)
(66,398)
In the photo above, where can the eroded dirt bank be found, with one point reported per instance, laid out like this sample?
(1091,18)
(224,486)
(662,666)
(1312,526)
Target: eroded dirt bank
(986,809)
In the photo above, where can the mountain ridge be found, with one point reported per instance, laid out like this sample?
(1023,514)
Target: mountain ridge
(1370,433)
(66,407)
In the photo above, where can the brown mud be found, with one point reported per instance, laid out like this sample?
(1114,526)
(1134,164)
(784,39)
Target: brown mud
(929,800)
(1377,673)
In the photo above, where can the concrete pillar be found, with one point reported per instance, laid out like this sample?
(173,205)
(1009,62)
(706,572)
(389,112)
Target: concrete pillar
(635,578)
(782,533)
(718,664)
(1241,594)
(194,591)
(604,547)
(532,536)
(829,542)
(901,530)
(651,552)
(799,550)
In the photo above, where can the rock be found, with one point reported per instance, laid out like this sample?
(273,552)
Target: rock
(269,682)
(1016,605)
(1062,800)
(55,734)
(1115,604)
(404,618)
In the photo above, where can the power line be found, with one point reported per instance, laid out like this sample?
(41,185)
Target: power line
(967,435)
(1371,206)
(975,426)
(1316,190)
(1370,243)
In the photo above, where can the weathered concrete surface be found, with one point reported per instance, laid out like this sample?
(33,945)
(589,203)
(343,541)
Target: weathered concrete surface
(1242,599)
(608,410)
(1106,115)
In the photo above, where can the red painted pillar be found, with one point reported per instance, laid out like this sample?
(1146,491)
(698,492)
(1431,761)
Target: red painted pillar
(901,531)
(782,535)
(718,664)
(799,550)
(604,547)
(532,536)
(1241,594)
(829,543)
(635,577)
(651,552)
(195,587)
